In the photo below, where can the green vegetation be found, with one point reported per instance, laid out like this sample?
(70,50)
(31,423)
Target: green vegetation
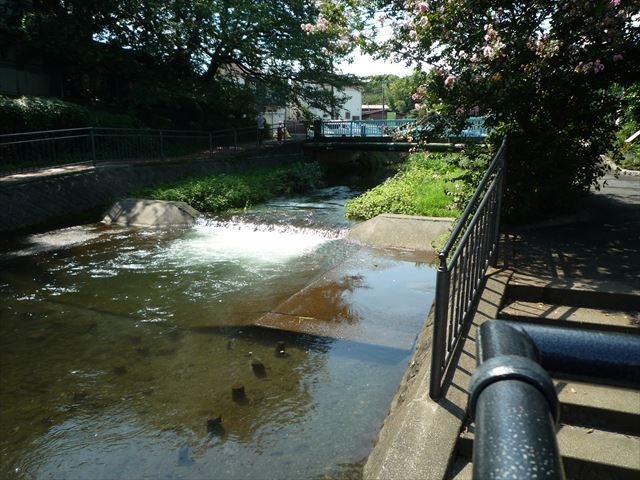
(239,190)
(520,65)
(628,155)
(182,64)
(430,184)
(36,113)
(397,91)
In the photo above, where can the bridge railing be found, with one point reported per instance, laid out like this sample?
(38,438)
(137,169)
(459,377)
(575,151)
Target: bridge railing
(474,128)
(362,128)
(21,152)
(463,262)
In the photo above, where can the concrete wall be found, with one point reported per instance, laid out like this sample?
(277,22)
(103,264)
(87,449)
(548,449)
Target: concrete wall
(39,199)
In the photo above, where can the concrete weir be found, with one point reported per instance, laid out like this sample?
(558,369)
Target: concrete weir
(401,232)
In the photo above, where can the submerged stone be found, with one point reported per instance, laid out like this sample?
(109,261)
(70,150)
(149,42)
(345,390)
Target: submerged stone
(134,212)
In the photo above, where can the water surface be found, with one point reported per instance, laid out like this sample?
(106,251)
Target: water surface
(118,345)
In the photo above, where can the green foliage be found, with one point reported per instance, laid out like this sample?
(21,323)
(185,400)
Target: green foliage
(185,64)
(373,86)
(397,91)
(228,191)
(627,155)
(430,184)
(540,71)
(37,113)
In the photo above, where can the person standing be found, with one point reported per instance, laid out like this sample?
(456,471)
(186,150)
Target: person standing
(260,124)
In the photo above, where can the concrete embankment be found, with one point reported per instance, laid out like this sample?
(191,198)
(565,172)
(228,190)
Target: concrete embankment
(44,197)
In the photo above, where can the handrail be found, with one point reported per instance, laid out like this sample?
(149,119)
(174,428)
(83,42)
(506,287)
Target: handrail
(28,151)
(459,276)
(513,400)
(474,198)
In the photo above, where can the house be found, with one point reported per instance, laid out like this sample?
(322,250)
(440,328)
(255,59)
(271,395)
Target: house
(377,112)
(350,109)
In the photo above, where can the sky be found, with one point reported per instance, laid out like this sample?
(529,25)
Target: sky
(365,65)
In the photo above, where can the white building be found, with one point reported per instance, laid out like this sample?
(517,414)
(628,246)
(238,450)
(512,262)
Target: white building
(350,109)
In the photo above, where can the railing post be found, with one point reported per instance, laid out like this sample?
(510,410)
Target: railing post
(210,145)
(438,348)
(317,129)
(93,146)
(161,145)
(235,139)
(502,170)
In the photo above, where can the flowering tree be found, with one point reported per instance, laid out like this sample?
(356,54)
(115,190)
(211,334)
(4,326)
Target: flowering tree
(541,71)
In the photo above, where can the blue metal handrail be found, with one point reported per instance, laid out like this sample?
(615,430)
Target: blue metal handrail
(475,128)
(474,243)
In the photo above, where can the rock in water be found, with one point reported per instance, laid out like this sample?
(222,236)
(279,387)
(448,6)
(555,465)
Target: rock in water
(134,212)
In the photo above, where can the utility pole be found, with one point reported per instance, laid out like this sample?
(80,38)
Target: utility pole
(384,115)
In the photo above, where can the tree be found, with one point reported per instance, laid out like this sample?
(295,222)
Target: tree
(182,57)
(541,71)
(372,88)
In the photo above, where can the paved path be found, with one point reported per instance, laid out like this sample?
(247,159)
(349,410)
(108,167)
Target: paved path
(599,248)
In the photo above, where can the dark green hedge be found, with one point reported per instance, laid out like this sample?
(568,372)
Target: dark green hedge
(26,114)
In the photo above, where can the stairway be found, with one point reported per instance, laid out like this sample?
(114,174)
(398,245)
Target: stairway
(599,431)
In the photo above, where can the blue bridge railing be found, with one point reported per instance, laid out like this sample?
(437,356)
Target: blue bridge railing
(474,128)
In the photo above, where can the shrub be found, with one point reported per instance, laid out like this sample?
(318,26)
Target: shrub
(228,191)
(26,114)
(430,184)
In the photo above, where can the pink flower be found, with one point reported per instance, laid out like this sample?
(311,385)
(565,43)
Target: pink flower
(598,66)
(475,110)
(615,3)
(449,81)
(460,111)
(418,106)
(423,6)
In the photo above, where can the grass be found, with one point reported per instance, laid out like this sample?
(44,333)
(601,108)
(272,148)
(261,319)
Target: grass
(222,192)
(627,155)
(431,184)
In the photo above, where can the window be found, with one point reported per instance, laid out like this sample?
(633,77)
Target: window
(347,114)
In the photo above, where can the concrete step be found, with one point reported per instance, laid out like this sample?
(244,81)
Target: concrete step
(587,453)
(573,293)
(462,469)
(596,454)
(571,316)
(601,407)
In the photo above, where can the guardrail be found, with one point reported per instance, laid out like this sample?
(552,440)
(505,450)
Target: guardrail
(389,128)
(513,400)
(29,151)
(463,262)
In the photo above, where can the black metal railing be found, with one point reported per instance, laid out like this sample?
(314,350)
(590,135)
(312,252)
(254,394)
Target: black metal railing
(471,248)
(29,151)
(513,400)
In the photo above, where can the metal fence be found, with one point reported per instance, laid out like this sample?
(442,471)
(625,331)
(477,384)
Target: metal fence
(21,152)
(472,247)
(474,128)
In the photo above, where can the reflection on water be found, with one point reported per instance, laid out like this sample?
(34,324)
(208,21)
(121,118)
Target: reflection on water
(117,347)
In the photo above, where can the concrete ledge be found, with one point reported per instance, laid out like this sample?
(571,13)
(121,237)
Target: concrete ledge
(419,436)
(401,232)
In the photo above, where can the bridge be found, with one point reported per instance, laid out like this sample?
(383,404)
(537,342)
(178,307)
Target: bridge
(384,135)
(90,146)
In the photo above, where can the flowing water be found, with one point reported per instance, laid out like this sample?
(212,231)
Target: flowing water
(119,347)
